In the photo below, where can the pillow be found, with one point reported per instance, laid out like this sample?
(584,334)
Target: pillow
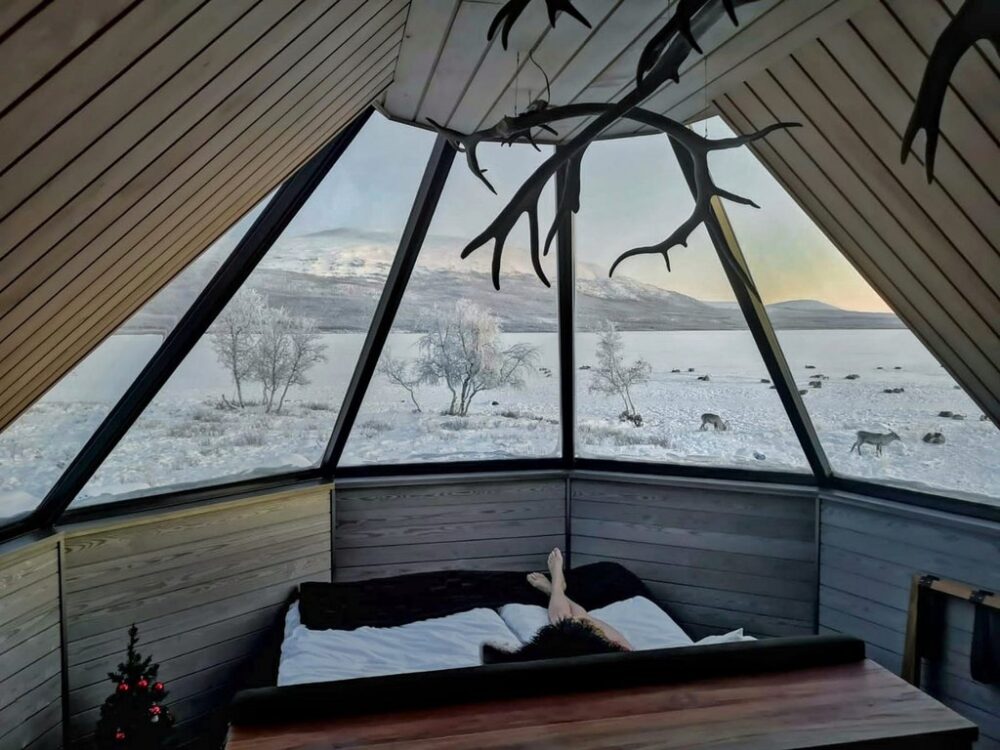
(644,625)
(730,637)
(440,643)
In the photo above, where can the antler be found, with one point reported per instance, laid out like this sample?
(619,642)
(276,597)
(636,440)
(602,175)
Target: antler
(975,20)
(510,12)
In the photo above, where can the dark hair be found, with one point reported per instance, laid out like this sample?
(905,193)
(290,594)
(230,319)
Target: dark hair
(569,637)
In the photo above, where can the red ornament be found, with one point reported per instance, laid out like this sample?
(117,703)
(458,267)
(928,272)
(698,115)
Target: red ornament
(142,684)
(123,687)
(155,710)
(119,736)
(158,687)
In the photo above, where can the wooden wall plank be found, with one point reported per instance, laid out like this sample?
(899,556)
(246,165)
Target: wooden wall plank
(490,524)
(754,566)
(203,585)
(868,557)
(30,653)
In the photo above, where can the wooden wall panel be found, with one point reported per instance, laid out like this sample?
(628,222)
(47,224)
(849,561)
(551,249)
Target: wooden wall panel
(31,707)
(718,555)
(203,585)
(387,530)
(116,128)
(870,550)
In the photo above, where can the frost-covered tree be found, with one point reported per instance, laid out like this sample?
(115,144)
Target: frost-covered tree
(404,373)
(612,376)
(284,350)
(463,349)
(233,336)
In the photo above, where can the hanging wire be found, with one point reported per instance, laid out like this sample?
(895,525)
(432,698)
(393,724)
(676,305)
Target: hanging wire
(548,90)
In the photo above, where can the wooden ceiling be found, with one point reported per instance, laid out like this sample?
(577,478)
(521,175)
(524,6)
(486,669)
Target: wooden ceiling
(931,251)
(448,70)
(133,133)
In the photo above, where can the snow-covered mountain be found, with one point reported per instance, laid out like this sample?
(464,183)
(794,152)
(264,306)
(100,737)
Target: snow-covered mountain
(337,276)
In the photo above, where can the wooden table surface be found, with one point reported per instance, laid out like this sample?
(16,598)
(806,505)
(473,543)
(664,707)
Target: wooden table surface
(851,705)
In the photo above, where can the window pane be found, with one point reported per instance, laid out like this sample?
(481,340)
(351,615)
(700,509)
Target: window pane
(667,370)
(876,375)
(260,393)
(40,444)
(468,373)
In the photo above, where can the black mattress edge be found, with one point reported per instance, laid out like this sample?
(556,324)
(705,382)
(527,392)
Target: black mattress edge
(421,690)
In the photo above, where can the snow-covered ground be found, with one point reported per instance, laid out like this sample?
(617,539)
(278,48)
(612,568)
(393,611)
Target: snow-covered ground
(185,438)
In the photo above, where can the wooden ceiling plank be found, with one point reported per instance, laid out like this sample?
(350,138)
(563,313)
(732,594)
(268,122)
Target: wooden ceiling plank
(16,12)
(726,47)
(152,181)
(47,39)
(499,66)
(460,56)
(553,54)
(216,82)
(865,250)
(974,72)
(60,117)
(963,131)
(172,245)
(51,367)
(944,294)
(83,266)
(901,214)
(426,30)
(953,174)
(957,232)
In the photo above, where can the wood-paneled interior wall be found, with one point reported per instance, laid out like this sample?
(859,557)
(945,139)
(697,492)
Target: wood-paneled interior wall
(391,529)
(932,251)
(31,707)
(203,586)
(870,551)
(718,556)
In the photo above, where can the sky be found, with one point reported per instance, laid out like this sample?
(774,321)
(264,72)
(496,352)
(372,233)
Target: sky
(633,194)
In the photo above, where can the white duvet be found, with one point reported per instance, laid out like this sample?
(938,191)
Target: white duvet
(455,641)
(440,643)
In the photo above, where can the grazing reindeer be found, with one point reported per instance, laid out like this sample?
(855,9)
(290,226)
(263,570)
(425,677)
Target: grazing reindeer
(878,439)
(714,420)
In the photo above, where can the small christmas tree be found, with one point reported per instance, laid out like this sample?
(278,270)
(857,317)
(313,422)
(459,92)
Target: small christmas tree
(134,716)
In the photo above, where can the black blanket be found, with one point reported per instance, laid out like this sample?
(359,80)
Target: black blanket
(389,602)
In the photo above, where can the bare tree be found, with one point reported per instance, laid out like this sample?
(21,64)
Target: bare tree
(463,349)
(403,373)
(233,336)
(285,348)
(612,376)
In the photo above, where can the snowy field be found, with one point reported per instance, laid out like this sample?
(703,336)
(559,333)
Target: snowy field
(185,437)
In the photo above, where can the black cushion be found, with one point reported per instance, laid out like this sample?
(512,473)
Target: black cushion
(366,695)
(389,602)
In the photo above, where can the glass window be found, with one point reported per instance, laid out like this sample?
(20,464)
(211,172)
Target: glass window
(40,444)
(260,393)
(667,370)
(468,373)
(877,378)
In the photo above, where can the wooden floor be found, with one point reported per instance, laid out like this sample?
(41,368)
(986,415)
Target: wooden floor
(858,705)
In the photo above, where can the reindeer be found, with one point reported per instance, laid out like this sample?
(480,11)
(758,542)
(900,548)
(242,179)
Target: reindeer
(714,420)
(878,439)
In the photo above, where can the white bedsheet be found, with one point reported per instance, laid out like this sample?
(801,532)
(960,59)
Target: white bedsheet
(644,625)
(440,643)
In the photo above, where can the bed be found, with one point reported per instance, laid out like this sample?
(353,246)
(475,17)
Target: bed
(398,660)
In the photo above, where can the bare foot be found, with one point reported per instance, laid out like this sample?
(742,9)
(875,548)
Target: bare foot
(540,582)
(556,569)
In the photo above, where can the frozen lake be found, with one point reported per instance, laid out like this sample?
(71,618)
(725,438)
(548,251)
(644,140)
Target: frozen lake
(184,437)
